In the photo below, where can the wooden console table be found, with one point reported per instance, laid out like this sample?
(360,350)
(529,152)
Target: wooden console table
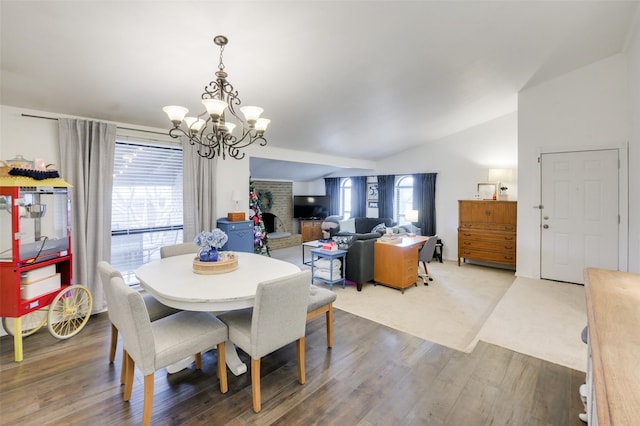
(311,229)
(396,265)
(613,370)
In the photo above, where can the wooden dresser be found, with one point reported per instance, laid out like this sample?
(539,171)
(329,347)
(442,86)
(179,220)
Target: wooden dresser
(487,231)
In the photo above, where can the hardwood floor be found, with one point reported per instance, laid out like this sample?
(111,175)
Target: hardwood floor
(374,375)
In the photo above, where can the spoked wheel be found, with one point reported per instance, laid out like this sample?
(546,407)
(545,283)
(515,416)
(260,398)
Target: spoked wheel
(69,312)
(31,322)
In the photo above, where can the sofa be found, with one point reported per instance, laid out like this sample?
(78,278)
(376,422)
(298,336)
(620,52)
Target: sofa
(357,236)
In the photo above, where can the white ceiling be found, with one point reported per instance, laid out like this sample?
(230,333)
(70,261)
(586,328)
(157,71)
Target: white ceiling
(358,79)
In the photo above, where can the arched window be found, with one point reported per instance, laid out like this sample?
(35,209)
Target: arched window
(403,198)
(345,198)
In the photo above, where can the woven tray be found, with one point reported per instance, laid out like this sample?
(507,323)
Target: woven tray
(212,268)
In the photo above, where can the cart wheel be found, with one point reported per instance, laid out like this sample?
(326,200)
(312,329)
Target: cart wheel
(69,312)
(31,322)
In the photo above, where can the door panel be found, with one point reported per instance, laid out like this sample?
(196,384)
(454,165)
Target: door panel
(579,214)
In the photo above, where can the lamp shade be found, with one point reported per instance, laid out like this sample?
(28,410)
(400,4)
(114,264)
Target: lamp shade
(214,107)
(251,113)
(236,195)
(501,175)
(411,215)
(194,124)
(262,123)
(175,113)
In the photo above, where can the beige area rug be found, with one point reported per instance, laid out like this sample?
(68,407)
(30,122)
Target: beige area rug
(543,319)
(465,304)
(450,310)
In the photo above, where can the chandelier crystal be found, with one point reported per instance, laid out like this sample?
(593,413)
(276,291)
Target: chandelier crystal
(213,130)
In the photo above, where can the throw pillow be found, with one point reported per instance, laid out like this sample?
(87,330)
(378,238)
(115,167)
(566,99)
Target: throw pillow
(348,226)
(380,228)
(344,242)
(411,229)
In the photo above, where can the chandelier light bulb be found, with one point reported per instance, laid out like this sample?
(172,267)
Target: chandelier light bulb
(176,113)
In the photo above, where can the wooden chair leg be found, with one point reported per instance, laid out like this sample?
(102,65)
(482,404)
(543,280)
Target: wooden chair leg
(128,381)
(222,369)
(148,400)
(329,317)
(198,361)
(300,349)
(123,368)
(255,385)
(114,343)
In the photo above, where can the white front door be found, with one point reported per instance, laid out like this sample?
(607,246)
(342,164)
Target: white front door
(579,214)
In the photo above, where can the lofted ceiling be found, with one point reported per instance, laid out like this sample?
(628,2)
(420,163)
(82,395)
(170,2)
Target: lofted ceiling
(356,79)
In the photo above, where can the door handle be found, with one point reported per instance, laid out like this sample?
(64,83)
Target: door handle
(545,226)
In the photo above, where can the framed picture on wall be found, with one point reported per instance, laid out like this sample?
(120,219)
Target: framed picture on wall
(372,192)
(373,204)
(487,190)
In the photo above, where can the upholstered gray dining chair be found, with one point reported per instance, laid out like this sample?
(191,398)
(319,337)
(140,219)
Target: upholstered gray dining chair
(321,302)
(425,255)
(155,345)
(155,309)
(178,249)
(277,319)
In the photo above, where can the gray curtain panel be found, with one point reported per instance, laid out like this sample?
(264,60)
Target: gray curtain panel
(424,200)
(332,189)
(199,197)
(358,196)
(87,151)
(386,195)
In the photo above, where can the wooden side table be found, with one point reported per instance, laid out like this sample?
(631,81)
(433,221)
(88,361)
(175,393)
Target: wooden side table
(330,255)
(396,265)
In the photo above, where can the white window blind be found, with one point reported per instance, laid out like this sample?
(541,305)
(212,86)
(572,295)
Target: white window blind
(146,204)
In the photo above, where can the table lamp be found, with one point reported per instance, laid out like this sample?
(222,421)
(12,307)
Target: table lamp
(237,216)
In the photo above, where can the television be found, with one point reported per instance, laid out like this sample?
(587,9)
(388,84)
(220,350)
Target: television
(310,206)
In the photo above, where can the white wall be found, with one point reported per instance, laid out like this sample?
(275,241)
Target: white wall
(461,161)
(586,108)
(633,71)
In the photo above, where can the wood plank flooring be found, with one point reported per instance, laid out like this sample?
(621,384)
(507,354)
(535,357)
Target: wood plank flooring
(374,375)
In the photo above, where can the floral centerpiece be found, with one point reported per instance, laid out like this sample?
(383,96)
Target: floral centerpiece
(210,242)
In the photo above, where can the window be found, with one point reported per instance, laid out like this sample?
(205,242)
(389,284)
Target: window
(345,198)
(146,204)
(403,198)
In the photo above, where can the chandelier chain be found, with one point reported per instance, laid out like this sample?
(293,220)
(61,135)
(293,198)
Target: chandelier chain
(221,64)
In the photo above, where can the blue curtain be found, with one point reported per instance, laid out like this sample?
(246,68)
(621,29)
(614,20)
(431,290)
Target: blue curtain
(358,196)
(386,192)
(332,189)
(424,200)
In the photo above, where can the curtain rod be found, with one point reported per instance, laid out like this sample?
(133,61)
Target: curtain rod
(122,128)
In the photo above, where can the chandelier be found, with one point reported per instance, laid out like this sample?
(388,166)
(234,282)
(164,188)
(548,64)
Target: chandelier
(213,130)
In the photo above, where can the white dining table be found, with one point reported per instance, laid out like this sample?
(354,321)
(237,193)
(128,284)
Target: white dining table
(172,281)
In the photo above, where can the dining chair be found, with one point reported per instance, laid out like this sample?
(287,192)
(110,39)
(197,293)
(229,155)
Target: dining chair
(321,302)
(155,309)
(277,319)
(154,345)
(178,249)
